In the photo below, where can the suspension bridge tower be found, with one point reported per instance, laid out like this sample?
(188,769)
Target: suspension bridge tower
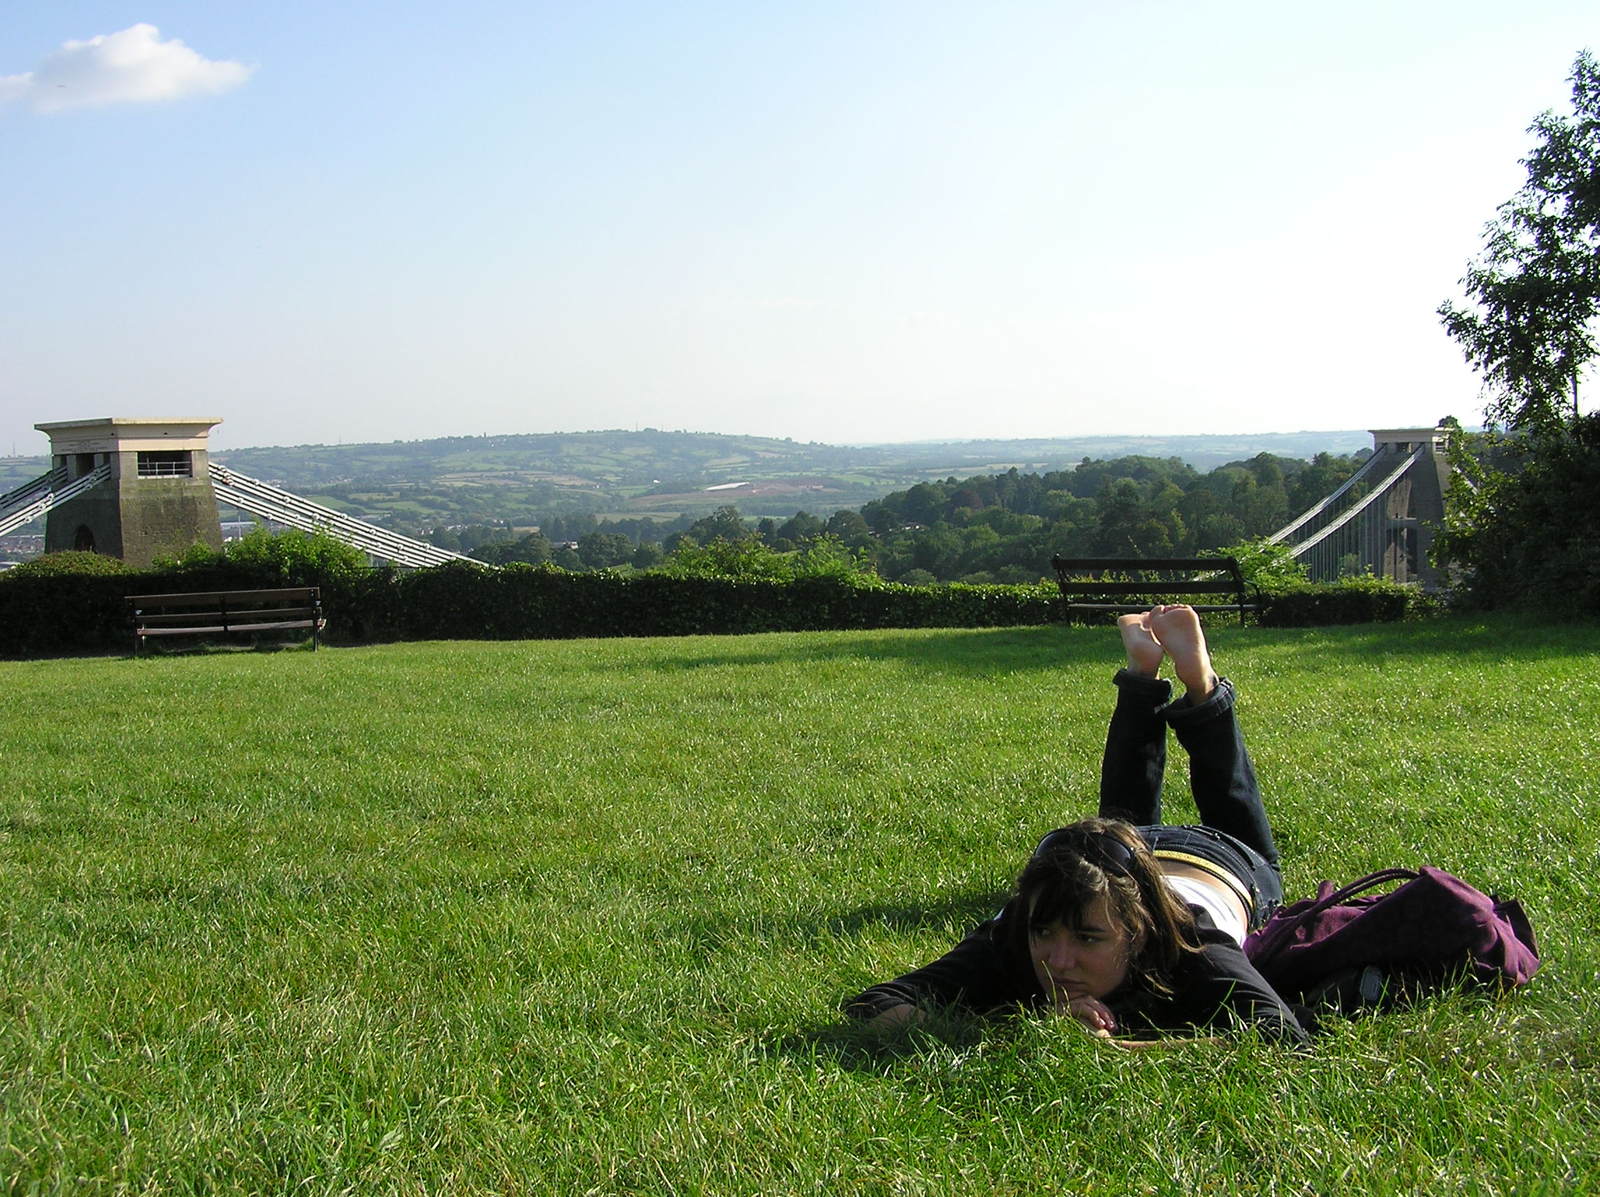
(1414,504)
(1382,520)
(140,488)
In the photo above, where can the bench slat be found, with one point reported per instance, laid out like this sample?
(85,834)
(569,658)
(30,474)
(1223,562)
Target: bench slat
(1146,606)
(216,619)
(1190,564)
(216,597)
(219,628)
(1149,587)
(231,612)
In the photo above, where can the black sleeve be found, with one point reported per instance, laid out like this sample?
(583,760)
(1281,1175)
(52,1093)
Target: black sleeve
(1218,990)
(977,974)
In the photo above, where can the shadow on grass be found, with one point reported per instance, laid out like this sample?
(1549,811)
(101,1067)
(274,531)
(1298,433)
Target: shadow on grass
(964,651)
(958,910)
(1493,636)
(224,648)
(846,1042)
(968,909)
(858,1047)
(997,652)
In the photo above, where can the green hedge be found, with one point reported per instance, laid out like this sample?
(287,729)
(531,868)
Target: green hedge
(1352,600)
(52,613)
(46,616)
(461,601)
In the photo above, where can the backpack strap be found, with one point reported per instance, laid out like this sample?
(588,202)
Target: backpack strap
(1344,894)
(1271,938)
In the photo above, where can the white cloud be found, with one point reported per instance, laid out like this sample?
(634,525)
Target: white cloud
(133,66)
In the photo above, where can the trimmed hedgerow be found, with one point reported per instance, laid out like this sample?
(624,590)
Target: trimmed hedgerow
(55,613)
(81,613)
(1350,600)
(464,601)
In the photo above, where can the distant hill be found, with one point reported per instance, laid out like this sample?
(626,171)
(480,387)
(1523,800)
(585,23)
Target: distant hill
(413,486)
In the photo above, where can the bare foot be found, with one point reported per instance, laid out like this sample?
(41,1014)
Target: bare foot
(1144,650)
(1177,628)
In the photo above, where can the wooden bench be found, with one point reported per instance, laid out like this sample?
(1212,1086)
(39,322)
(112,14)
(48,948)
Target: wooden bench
(227,613)
(1102,578)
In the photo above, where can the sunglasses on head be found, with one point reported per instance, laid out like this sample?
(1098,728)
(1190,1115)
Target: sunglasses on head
(1096,847)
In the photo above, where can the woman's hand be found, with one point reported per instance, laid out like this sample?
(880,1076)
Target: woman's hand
(902,1015)
(1094,1014)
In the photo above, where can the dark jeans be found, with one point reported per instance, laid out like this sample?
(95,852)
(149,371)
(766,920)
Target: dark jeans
(1234,833)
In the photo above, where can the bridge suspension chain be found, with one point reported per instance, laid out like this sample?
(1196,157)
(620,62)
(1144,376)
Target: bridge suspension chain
(1289,529)
(32,499)
(282,507)
(1365,535)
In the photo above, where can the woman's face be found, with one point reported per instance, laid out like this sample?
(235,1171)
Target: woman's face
(1088,959)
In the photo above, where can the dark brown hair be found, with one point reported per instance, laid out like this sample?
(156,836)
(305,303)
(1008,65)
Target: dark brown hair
(1074,865)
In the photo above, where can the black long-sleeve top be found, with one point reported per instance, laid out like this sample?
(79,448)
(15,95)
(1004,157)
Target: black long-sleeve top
(1214,989)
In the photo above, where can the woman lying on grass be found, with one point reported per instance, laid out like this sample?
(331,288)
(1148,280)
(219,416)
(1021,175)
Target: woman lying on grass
(1131,927)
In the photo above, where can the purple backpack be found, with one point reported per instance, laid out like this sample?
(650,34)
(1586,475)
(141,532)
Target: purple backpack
(1432,931)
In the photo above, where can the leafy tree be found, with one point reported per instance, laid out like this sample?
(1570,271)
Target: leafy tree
(980,547)
(937,550)
(445,538)
(1534,293)
(723,558)
(1263,563)
(849,527)
(1209,517)
(725,523)
(884,515)
(749,557)
(295,558)
(925,503)
(1325,473)
(1511,531)
(893,557)
(1002,521)
(534,548)
(828,556)
(1017,575)
(470,537)
(601,550)
(1129,526)
(68,562)
(569,527)
(800,526)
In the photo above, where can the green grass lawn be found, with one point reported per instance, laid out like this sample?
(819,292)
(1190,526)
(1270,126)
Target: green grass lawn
(577,916)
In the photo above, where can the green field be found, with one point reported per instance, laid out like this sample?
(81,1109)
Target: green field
(576,917)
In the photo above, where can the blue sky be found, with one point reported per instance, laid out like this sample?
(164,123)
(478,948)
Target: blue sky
(829,221)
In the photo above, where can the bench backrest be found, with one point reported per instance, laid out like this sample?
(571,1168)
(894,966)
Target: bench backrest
(1132,575)
(213,598)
